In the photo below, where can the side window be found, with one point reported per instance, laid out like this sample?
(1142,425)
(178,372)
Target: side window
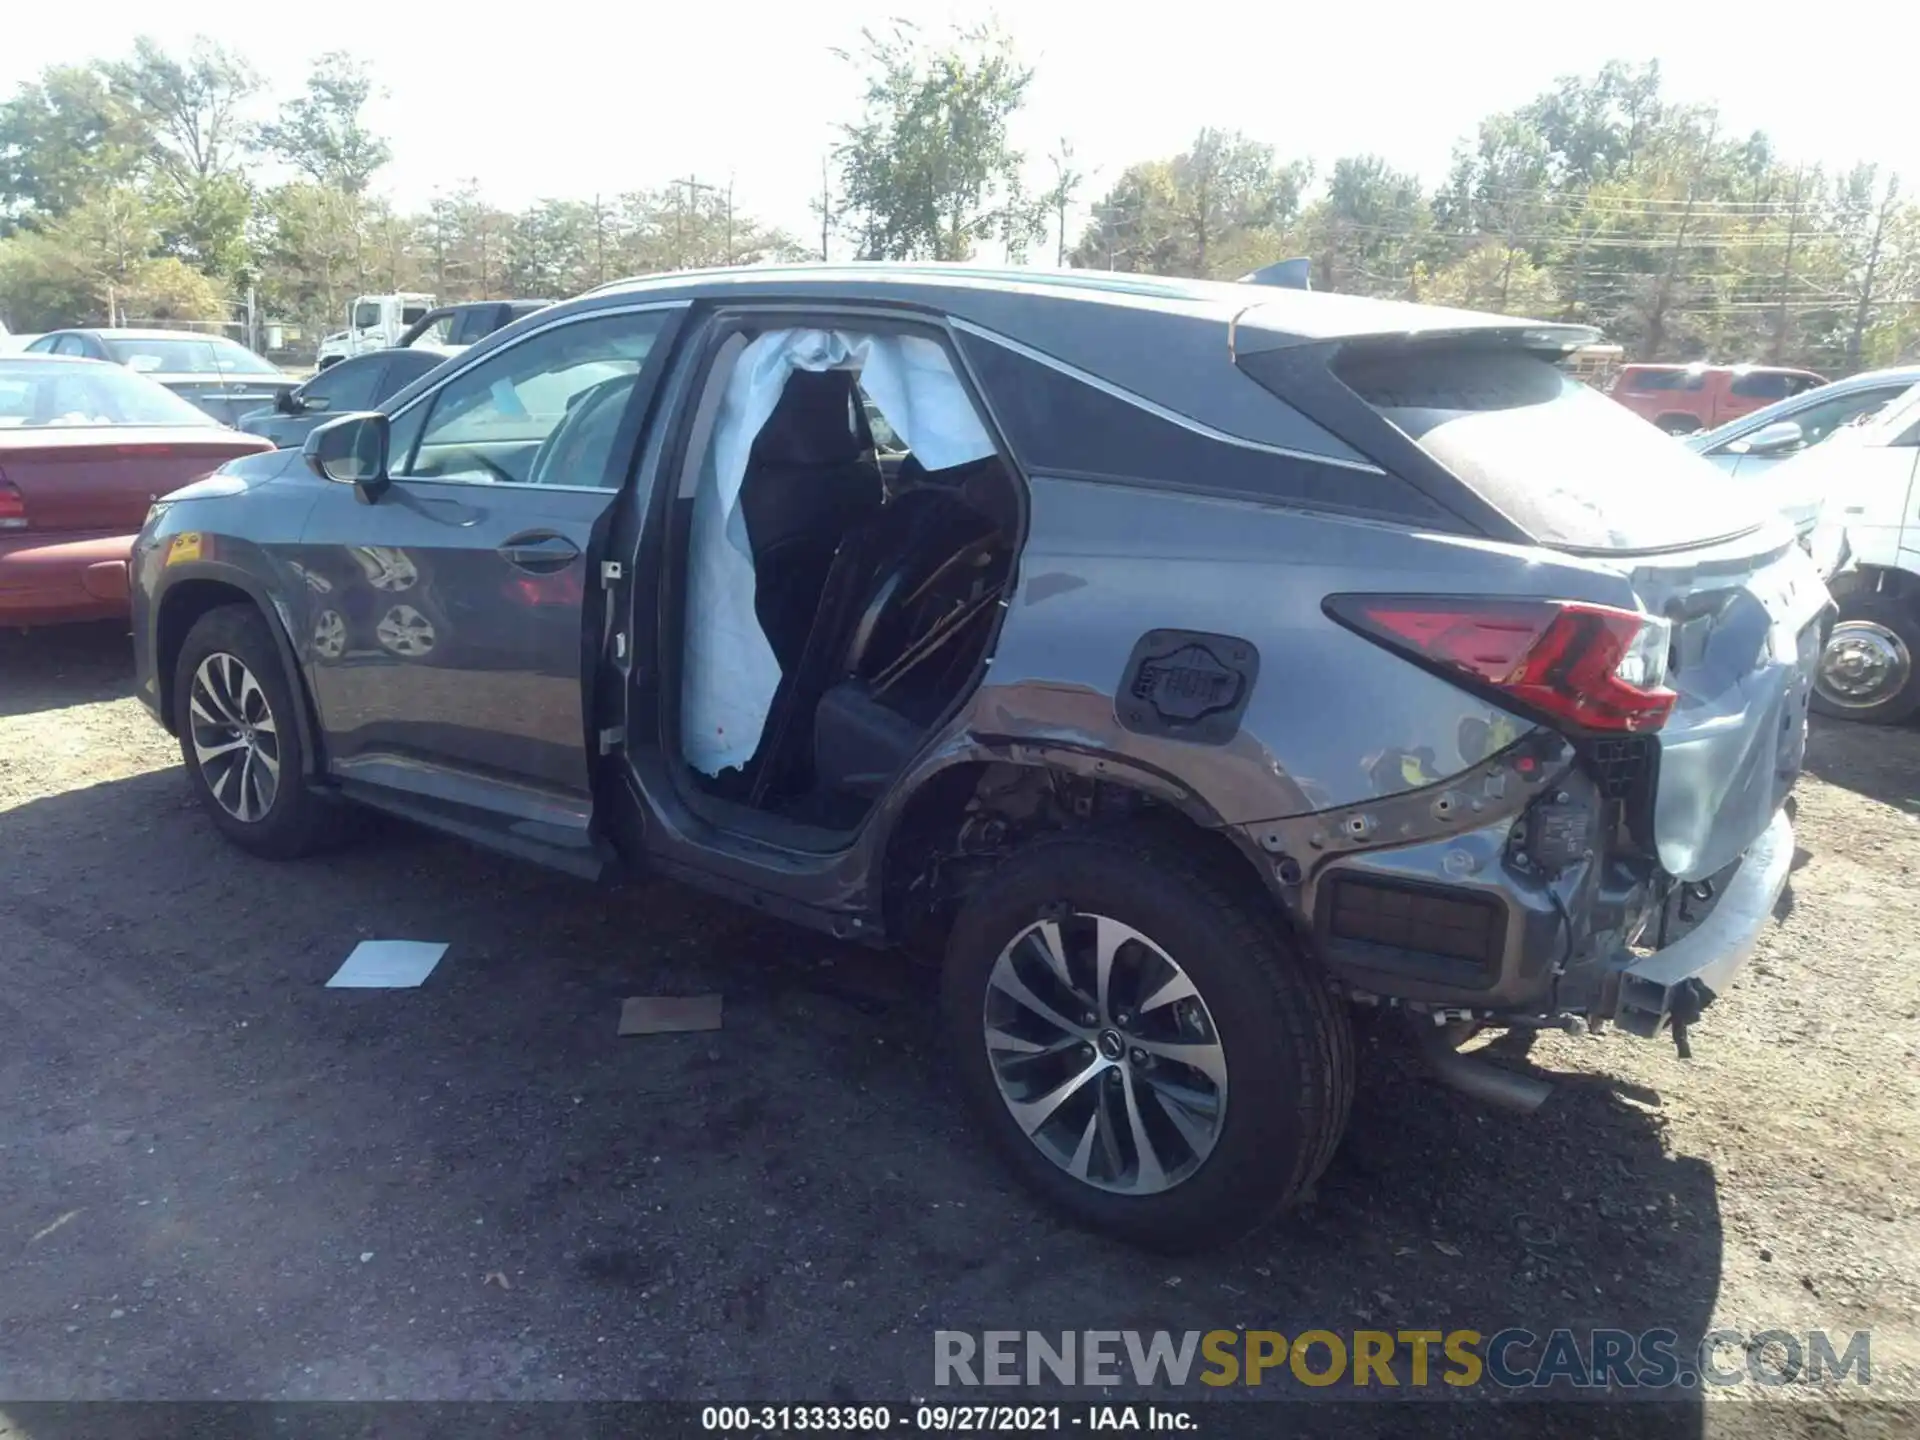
(1819,420)
(350,385)
(438,333)
(1764,386)
(403,368)
(470,326)
(490,423)
(365,316)
(70,345)
(44,345)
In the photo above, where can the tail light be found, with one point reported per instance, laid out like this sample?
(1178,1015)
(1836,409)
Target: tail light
(13,506)
(1592,666)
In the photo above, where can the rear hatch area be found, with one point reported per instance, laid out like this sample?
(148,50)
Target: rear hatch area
(1487,423)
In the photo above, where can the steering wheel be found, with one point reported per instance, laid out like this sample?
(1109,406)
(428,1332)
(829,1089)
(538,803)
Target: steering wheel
(493,467)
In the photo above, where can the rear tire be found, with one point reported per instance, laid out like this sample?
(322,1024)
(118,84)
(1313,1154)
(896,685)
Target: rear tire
(1259,1019)
(1868,667)
(240,738)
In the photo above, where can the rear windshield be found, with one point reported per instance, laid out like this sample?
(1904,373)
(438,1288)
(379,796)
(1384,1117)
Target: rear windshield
(83,393)
(1567,464)
(187,356)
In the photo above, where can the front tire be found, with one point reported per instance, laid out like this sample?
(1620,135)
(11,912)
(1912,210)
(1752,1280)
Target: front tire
(240,738)
(1142,1044)
(1867,668)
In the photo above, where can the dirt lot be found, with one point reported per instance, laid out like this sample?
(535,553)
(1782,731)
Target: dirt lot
(219,1179)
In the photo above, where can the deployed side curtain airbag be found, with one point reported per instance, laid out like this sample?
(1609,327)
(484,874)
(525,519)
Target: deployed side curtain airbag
(730,673)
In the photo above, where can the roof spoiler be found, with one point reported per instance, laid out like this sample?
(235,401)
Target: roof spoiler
(1288,274)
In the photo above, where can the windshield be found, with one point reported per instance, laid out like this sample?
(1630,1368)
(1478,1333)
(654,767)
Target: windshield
(41,393)
(1570,466)
(189,355)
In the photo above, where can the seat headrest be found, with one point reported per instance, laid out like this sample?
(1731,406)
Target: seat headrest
(813,422)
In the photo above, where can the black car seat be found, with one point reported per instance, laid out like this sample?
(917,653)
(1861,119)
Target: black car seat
(811,478)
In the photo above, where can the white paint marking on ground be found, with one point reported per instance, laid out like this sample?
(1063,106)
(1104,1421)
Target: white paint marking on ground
(387,965)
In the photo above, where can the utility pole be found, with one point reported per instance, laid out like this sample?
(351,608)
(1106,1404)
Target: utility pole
(826,208)
(692,184)
(1861,311)
(1781,318)
(1663,297)
(599,241)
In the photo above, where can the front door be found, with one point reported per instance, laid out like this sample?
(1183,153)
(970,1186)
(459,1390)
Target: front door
(450,632)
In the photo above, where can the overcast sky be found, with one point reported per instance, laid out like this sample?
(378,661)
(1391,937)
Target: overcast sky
(566,99)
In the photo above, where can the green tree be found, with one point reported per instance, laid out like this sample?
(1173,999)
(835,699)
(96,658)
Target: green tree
(61,138)
(321,133)
(928,171)
(310,248)
(1204,212)
(1365,232)
(1491,276)
(190,108)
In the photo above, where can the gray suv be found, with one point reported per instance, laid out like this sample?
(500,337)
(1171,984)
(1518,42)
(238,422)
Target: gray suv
(1196,665)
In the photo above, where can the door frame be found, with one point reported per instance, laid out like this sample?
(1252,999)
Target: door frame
(821,879)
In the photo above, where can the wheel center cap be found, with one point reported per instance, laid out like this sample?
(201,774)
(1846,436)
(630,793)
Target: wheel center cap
(1112,1044)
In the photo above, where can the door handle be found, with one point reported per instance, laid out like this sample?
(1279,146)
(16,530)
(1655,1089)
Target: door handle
(541,553)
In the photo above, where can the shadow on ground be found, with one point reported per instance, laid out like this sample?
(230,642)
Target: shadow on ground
(1856,757)
(52,668)
(221,1180)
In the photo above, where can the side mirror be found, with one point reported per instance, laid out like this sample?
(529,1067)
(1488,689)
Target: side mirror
(289,402)
(351,451)
(1774,439)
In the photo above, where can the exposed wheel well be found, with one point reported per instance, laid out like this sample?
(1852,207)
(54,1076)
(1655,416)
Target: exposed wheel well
(180,609)
(962,821)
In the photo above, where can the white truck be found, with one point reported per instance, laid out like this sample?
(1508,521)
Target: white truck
(1867,543)
(374,322)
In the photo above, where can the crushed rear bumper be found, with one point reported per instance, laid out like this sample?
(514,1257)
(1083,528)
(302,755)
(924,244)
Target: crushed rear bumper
(1678,979)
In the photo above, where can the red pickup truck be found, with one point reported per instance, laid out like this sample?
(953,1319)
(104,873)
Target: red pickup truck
(1683,398)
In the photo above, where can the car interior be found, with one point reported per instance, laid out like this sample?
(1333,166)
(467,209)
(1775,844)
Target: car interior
(876,580)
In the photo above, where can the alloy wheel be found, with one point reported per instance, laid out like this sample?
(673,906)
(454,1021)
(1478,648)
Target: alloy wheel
(235,742)
(1105,1054)
(1863,664)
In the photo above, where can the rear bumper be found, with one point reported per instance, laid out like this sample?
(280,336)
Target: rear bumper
(1700,965)
(47,580)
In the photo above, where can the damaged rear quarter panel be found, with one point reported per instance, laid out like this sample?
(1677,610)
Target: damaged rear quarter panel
(1333,718)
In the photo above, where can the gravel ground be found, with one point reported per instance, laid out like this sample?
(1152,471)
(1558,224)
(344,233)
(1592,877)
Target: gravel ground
(220,1180)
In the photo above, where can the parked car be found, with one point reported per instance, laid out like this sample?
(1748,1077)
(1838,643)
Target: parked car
(1681,399)
(356,384)
(1206,665)
(84,449)
(1754,447)
(452,328)
(1868,542)
(220,376)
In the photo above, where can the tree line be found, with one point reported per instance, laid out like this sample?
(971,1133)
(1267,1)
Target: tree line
(135,187)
